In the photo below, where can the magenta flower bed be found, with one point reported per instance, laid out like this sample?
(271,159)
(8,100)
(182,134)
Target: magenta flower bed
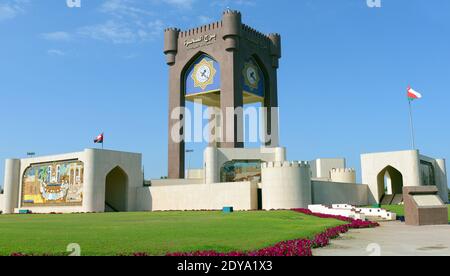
(301,247)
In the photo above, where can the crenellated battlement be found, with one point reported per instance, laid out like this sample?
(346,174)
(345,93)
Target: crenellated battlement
(215,26)
(254,33)
(286,164)
(341,170)
(343,175)
(232,20)
(231,12)
(172,30)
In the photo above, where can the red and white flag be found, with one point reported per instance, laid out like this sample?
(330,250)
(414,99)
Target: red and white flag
(99,139)
(413,95)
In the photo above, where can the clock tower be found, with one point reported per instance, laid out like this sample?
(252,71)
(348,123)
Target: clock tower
(225,65)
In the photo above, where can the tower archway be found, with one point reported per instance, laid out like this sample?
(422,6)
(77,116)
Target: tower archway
(116,191)
(390,185)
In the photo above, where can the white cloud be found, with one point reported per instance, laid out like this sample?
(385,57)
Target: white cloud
(120,32)
(109,31)
(7,12)
(9,9)
(123,8)
(184,4)
(57,36)
(56,52)
(128,23)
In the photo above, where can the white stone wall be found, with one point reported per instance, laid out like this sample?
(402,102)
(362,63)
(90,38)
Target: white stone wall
(241,196)
(343,175)
(328,193)
(11,185)
(175,182)
(195,174)
(406,162)
(286,185)
(320,168)
(98,163)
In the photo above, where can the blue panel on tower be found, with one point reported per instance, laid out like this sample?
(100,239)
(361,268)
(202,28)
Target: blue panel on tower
(203,76)
(253,78)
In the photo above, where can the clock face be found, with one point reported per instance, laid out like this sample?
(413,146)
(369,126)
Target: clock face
(203,74)
(252,76)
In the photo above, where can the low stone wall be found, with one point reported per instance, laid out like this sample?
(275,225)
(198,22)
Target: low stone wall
(328,193)
(174,182)
(52,209)
(242,196)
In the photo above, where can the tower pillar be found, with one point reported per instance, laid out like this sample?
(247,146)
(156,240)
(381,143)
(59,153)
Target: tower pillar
(231,96)
(12,183)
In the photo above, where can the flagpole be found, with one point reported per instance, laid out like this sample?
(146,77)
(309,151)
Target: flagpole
(412,125)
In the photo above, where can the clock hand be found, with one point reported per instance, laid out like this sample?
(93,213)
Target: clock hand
(204,74)
(252,75)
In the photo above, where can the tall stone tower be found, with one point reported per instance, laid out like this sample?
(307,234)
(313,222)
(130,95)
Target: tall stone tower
(225,64)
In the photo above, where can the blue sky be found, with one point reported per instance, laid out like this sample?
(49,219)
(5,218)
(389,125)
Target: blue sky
(68,74)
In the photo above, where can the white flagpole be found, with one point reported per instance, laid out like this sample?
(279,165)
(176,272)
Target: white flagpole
(412,125)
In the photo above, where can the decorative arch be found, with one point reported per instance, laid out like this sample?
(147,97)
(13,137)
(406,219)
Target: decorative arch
(116,190)
(201,75)
(254,79)
(390,182)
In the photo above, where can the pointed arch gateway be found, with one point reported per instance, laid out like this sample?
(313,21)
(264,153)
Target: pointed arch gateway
(116,191)
(390,186)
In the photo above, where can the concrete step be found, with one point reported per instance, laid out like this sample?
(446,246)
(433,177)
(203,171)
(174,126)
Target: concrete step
(398,198)
(387,199)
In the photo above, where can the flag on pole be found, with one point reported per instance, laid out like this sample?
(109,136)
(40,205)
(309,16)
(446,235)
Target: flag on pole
(99,139)
(413,95)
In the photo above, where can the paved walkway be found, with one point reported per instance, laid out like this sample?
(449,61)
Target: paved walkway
(391,239)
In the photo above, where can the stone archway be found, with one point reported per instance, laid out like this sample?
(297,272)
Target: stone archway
(390,186)
(116,191)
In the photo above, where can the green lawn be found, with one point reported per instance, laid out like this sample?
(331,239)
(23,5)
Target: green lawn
(398,209)
(154,233)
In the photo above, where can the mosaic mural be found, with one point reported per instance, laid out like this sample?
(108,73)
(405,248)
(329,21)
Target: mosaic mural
(56,183)
(241,171)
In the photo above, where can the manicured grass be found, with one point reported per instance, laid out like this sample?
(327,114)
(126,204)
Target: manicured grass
(399,210)
(154,233)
